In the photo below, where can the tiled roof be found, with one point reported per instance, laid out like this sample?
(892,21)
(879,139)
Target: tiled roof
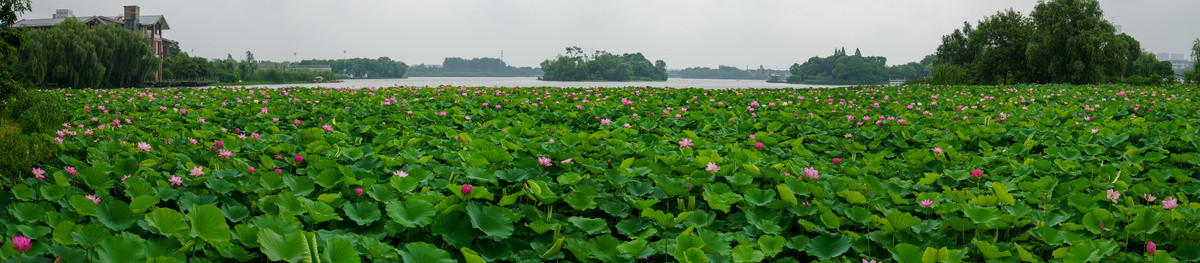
(49,22)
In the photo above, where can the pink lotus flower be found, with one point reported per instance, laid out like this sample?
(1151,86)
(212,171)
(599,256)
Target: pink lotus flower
(176,180)
(225,154)
(197,171)
(39,173)
(250,169)
(466,189)
(401,174)
(1149,197)
(977,173)
(937,150)
(605,122)
(193,141)
(901,121)
(1171,202)
(220,144)
(22,243)
(327,127)
(848,136)
(758,145)
(1102,226)
(1113,195)
(298,158)
(1150,247)
(837,160)
(70,170)
(545,161)
(125,177)
(278,171)
(685,143)
(712,167)
(568,160)
(94,199)
(358,191)
(263,110)
(926,203)
(145,147)
(812,173)
(1095,130)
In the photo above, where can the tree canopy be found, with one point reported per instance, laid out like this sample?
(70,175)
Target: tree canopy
(1062,41)
(71,55)
(1193,76)
(602,66)
(475,67)
(840,69)
(382,67)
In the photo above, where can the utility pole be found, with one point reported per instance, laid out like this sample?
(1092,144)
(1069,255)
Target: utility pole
(501,55)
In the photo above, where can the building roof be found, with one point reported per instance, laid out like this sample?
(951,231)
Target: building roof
(147,20)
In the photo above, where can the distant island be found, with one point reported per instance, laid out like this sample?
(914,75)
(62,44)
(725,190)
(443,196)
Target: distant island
(475,67)
(727,72)
(602,66)
(840,69)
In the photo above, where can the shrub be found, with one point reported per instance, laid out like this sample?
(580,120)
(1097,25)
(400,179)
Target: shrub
(19,152)
(37,112)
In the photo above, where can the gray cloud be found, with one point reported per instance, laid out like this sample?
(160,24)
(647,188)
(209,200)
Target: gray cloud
(685,33)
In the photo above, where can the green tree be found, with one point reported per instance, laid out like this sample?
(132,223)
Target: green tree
(9,9)
(1003,38)
(1072,43)
(601,66)
(840,69)
(1193,76)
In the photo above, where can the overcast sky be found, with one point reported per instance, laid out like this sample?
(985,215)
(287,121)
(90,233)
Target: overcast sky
(684,33)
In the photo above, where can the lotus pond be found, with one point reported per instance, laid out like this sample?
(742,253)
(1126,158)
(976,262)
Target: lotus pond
(1052,173)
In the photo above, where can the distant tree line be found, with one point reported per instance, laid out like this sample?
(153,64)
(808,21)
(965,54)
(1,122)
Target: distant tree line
(840,69)
(232,71)
(723,72)
(602,66)
(1062,41)
(382,67)
(72,55)
(475,67)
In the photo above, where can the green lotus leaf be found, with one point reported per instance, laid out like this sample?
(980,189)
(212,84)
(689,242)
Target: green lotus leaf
(168,222)
(363,213)
(116,215)
(424,252)
(411,212)
(826,247)
(208,223)
(491,220)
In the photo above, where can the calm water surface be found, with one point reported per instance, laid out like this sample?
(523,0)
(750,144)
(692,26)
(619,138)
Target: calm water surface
(534,82)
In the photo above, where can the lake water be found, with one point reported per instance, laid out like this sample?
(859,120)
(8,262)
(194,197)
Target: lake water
(534,82)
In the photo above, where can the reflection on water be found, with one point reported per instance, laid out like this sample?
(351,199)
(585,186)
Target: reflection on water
(534,82)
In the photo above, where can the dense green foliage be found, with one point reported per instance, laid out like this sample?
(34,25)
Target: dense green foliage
(1063,41)
(72,55)
(462,174)
(722,72)
(379,68)
(602,66)
(231,71)
(913,70)
(475,67)
(1193,76)
(840,69)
